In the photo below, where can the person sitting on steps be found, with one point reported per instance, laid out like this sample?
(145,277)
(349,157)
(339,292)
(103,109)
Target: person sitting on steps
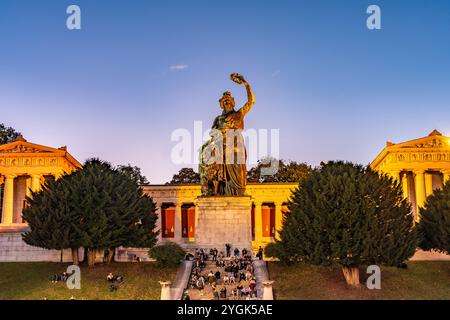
(223,293)
(226,280)
(211,277)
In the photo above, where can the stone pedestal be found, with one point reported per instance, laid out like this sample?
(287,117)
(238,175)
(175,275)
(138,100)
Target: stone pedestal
(222,220)
(165,290)
(268,290)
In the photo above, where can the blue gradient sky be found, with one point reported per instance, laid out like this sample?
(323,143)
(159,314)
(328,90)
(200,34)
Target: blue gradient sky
(334,89)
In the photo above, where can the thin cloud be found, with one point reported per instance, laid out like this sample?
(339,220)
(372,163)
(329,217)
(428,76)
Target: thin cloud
(178,67)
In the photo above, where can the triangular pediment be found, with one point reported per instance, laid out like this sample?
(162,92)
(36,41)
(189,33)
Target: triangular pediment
(434,140)
(22,153)
(23,146)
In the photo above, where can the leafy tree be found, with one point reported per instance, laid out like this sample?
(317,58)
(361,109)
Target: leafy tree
(434,222)
(134,173)
(347,215)
(286,171)
(185,176)
(105,209)
(7,134)
(167,255)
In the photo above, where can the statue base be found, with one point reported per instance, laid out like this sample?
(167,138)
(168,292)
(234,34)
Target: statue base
(222,220)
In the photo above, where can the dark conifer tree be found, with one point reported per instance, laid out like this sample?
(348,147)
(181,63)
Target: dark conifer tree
(103,209)
(52,223)
(347,215)
(435,221)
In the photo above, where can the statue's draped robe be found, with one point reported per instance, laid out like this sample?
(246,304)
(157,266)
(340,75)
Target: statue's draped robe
(231,174)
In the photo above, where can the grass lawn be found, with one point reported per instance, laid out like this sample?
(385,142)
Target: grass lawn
(32,281)
(422,280)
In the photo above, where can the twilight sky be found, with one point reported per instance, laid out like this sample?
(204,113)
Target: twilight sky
(138,70)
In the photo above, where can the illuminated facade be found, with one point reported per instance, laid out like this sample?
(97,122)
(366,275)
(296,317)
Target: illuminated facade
(421,165)
(177,213)
(24,166)
(176,207)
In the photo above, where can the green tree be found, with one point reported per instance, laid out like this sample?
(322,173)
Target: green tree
(347,215)
(51,221)
(185,176)
(106,208)
(286,171)
(7,134)
(167,255)
(434,222)
(134,173)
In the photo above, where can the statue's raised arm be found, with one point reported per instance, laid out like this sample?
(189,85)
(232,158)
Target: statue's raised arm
(239,79)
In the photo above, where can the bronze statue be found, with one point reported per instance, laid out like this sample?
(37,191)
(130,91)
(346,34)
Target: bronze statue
(222,159)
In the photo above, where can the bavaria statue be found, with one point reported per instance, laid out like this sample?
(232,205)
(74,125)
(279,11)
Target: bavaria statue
(222,158)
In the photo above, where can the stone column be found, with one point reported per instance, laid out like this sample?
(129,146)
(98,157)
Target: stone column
(28,187)
(178,233)
(159,221)
(446,175)
(196,221)
(278,218)
(268,290)
(258,222)
(165,290)
(8,200)
(36,182)
(421,196)
(405,185)
(428,184)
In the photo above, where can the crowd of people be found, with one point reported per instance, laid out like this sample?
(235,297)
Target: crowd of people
(222,274)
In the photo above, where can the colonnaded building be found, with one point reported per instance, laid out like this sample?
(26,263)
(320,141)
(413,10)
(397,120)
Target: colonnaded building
(422,165)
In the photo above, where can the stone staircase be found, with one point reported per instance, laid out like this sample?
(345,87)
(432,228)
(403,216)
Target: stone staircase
(184,272)
(261,275)
(181,280)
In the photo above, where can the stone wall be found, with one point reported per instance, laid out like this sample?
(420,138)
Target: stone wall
(421,255)
(13,249)
(131,254)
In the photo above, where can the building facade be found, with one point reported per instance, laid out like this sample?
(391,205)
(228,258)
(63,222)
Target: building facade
(25,166)
(178,214)
(421,166)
